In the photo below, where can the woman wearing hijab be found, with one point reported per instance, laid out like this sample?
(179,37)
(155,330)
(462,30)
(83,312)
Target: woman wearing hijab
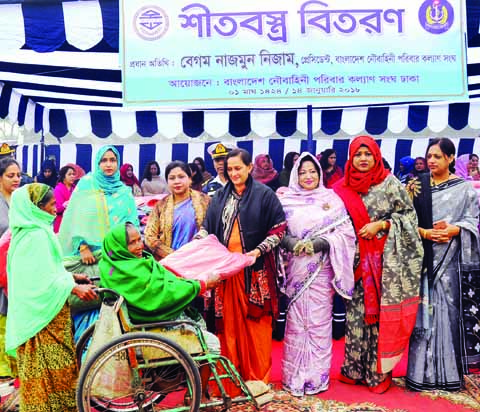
(48,173)
(284,176)
(405,169)
(153,294)
(99,202)
(39,328)
(381,315)
(321,243)
(128,177)
(332,172)
(445,343)
(264,172)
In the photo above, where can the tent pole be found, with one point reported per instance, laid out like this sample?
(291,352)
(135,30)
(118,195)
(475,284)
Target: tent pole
(42,148)
(310,128)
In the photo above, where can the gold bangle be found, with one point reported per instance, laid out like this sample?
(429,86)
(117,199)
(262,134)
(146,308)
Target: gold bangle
(384,225)
(83,247)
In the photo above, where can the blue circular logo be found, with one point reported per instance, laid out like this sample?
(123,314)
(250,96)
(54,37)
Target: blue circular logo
(150,22)
(436,16)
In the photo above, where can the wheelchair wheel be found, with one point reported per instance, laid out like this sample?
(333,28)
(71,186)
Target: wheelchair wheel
(139,372)
(82,344)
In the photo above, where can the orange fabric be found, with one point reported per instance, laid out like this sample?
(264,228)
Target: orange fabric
(247,343)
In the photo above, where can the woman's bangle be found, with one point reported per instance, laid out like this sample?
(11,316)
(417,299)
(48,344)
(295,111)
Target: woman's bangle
(384,226)
(83,247)
(423,233)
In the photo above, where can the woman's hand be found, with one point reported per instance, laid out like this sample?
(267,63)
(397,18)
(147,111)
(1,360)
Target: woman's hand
(87,256)
(303,247)
(255,253)
(81,279)
(213,280)
(444,235)
(85,292)
(370,230)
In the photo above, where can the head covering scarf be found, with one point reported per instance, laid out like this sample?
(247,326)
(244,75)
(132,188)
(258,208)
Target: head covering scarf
(37,192)
(358,181)
(98,203)
(79,172)
(408,163)
(38,283)
(153,294)
(461,166)
(109,184)
(320,213)
(349,189)
(261,175)
(52,180)
(129,181)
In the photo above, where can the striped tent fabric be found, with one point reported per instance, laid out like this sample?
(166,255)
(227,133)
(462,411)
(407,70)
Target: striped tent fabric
(29,156)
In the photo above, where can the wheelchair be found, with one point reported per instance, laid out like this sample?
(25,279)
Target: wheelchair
(152,367)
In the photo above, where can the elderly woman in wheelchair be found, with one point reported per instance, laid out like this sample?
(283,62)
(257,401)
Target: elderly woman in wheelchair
(161,355)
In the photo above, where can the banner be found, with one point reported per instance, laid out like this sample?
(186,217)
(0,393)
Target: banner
(291,52)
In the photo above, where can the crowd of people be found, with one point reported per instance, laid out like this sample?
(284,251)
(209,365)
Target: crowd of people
(400,254)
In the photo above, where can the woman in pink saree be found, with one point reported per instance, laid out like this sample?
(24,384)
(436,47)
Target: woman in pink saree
(320,245)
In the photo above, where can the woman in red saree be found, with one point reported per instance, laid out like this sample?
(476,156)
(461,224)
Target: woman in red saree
(382,312)
(247,217)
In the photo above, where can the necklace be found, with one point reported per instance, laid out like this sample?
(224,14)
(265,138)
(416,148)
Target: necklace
(434,183)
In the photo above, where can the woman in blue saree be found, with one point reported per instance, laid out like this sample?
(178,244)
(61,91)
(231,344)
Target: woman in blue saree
(176,219)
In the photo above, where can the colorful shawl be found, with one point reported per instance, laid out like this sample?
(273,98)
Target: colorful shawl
(38,283)
(159,230)
(320,213)
(263,175)
(98,203)
(262,225)
(153,294)
(371,251)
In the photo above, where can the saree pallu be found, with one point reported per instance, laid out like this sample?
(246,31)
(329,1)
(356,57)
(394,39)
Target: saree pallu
(372,351)
(307,351)
(445,344)
(246,342)
(47,368)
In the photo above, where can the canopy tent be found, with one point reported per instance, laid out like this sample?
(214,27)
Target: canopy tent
(60,79)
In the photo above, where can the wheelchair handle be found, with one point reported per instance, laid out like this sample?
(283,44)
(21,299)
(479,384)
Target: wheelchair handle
(102,291)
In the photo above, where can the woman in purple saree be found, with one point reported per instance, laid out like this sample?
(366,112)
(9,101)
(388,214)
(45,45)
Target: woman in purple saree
(320,245)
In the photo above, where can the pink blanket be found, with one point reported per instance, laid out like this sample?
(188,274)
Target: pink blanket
(199,258)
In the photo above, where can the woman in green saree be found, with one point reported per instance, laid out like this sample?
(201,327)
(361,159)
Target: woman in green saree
(39,327)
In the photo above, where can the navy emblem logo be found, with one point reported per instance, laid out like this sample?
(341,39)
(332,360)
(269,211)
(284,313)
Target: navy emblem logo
(150,22)
(436,16)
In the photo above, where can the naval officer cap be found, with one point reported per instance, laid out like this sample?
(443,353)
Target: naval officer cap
(217,150)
